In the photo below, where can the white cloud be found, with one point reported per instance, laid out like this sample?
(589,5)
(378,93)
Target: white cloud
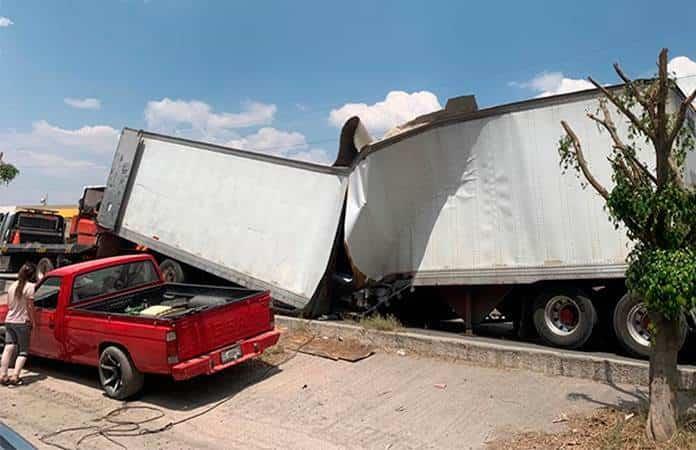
(56,160)
(5,22)
(83,103)
(398,107)
(52,162)
(553,83)
(276,142)
(90,139)
(197,120)
(685,70)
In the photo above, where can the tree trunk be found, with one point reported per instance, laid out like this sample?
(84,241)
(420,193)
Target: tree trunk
(664,379)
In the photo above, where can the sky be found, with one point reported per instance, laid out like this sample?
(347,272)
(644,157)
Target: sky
(282,77)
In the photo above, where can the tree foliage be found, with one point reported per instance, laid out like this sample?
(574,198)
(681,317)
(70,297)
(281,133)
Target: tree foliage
(8,172)
(657,208)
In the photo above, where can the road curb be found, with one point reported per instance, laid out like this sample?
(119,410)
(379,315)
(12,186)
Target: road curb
(504,355)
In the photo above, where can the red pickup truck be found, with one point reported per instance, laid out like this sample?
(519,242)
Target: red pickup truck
(119,315)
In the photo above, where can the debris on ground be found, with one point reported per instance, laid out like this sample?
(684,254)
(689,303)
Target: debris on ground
(325,346)
(401,352)
(606,428)
(560,419)
(440,386)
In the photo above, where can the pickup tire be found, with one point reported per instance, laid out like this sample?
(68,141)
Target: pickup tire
(44,266)
(172,271)
(119,377)
(631,326)
(564,317)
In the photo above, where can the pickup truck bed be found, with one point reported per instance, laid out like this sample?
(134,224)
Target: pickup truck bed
(119,315)
(204,317)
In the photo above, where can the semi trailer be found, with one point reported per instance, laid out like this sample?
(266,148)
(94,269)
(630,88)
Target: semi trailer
(465,204)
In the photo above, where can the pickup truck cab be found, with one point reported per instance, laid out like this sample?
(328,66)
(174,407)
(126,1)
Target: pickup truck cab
(119,315)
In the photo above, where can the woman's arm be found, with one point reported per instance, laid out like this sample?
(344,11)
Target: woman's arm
(30,306)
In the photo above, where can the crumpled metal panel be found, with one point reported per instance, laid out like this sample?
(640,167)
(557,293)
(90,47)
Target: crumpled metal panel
(485,193)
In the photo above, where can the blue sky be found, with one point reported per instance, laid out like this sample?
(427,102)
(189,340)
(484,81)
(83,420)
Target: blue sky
(280,76)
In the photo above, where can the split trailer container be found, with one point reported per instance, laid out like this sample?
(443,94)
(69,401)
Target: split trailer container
(464,203)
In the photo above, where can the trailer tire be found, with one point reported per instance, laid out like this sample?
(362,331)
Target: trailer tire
(631,327)
(44,266)
(172,271)
(118,376)
(564,318)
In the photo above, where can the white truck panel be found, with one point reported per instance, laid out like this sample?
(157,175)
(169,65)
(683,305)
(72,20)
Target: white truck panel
(484,196)
(265,224)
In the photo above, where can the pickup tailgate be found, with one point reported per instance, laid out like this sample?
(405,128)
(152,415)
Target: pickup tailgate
(225,325)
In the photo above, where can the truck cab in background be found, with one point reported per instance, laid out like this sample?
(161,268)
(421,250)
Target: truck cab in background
(39,235)
(83,227)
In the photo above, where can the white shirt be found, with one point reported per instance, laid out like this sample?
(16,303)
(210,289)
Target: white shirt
(17,312)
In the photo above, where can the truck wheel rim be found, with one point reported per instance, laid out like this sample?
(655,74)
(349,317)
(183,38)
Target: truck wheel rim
(111,372)
(169,275)
(638,324)
(562,315)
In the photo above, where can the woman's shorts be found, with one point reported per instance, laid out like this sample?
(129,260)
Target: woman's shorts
(18,334)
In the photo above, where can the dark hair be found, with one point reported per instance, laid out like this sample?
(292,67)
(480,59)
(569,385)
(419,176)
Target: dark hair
(26,273)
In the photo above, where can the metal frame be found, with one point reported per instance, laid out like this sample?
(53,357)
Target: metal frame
(518,275)
(454,118)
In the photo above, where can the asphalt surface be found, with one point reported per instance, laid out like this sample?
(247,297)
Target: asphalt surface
(385,401)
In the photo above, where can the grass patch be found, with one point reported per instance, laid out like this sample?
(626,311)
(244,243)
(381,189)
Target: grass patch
(605,428)
(381,323)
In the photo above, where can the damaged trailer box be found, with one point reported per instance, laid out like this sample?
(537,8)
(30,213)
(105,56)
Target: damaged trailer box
(470,197)
(257,220)
(459,197)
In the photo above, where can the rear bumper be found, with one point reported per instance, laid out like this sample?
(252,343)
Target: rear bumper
(211,362)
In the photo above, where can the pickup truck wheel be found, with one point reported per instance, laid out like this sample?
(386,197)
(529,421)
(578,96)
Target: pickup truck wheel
(44,266)
(564,318)
(172,271)
(117,373)
(632,327)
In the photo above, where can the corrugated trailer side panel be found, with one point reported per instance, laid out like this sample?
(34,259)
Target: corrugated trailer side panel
(483,201)
(260,221)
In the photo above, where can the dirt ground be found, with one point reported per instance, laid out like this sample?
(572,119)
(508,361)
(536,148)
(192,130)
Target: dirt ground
(383,401)
(606,428)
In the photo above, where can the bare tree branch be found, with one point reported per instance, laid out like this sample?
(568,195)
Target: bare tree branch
(662,151)
(646,103)
(580,157)
(681,117)
(608,124)
(620,106)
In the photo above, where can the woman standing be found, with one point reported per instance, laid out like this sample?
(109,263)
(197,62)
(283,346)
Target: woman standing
(18,322)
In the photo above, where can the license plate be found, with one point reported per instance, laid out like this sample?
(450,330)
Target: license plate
(231,354)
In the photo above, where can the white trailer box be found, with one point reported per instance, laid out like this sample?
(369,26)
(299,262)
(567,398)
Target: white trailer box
(257,220)
(478,197)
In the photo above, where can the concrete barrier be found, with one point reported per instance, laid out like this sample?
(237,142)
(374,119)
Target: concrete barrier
(503,354)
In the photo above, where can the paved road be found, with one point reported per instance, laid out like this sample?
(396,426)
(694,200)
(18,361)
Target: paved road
(386,401)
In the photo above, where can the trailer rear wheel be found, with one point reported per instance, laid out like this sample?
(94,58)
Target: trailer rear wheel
(632,327)
(172,271)
(119,377)
(44,266)
(564,318)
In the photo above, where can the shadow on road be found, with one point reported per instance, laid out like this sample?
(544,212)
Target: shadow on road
(163,391)
(205,390)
